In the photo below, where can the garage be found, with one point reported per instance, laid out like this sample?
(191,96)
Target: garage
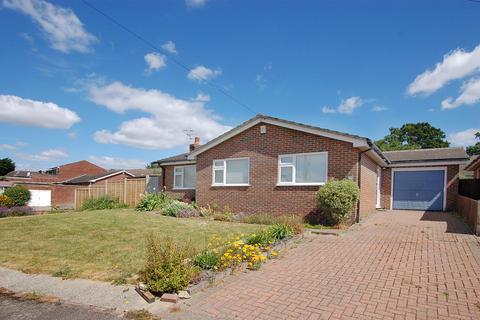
(419,189)
(40,198)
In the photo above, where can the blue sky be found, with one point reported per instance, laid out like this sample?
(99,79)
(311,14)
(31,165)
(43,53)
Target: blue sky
(75,86)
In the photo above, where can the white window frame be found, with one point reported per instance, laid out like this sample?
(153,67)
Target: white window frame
(183,178)
(224,168)
(294,169)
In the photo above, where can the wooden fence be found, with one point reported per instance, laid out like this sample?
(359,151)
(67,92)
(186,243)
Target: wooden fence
(470,188)
(126,191)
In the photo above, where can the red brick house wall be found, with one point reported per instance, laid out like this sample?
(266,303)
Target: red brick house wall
(452,186)
(368,186)
(75,169)
(186,195)
(263,194)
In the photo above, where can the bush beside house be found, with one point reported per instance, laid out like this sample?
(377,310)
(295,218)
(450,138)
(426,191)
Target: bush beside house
(336,200)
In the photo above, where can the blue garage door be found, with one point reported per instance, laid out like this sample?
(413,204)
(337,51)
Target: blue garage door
(418,190)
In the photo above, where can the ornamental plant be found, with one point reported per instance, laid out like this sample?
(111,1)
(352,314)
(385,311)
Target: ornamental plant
(19,195)
(337,198)
(168,267)
(5,201)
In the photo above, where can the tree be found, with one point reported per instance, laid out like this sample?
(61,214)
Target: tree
(6,165)
(420,135)
(475,149)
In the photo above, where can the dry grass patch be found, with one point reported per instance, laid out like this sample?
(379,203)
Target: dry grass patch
(102,245)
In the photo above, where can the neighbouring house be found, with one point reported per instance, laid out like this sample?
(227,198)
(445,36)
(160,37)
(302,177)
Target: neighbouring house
(474,166)
(276,166)
(101,178)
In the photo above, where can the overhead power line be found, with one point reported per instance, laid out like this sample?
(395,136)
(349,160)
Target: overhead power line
(174,59)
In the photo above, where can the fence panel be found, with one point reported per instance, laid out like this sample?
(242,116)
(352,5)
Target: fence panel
(470,188)
(127,191)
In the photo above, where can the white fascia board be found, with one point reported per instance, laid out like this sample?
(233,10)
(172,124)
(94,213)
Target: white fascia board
(426,163)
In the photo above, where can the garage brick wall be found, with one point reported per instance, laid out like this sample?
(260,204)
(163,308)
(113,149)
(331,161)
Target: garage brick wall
(368,186)
(118,177)
(62,195)
(263,194)
(452,186)
(186,195)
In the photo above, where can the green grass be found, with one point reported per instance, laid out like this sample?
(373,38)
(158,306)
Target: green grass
(102,245)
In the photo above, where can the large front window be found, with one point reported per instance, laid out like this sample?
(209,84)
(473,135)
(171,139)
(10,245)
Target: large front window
(231,172)
(184,177)
(302,169)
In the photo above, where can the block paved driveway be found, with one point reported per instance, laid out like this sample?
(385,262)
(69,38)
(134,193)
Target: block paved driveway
(395,265)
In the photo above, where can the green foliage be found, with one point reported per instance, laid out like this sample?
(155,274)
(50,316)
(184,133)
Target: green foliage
(475,149)
(206,259)
(221,216)
(168,267)
(18,194)
(6,202)
(270,235)
(174,207)
(262,238)
(281,231)
(6,166)
(420,135)
(64,272)
(153,201)
(295,222)
(336,199)
(102,203)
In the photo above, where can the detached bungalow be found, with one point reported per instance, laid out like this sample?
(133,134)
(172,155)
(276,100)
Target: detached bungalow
(273,165)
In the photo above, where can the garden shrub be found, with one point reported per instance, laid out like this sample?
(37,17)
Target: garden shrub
(168,267)
(18,194)
(153,201)
(174,207)
(207,259)
(102,203)
(15,211)
(6,202)
(262,238)
(281,231)
(337,198)
(220,216)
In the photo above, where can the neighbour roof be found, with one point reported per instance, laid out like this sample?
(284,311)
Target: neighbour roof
(86,178)
(144,172)
(422,155)
(20,174)
(473,164)
(177,158)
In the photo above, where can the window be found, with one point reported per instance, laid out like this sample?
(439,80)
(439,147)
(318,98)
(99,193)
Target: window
(184,177)
(302,169)
(231,172)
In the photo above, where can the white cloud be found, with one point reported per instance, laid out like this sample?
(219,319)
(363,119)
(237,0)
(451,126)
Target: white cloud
(60,25)
(346,106)
(470,94)
(168,117)
(155,61)
(201,73)
(260,81)
(327,109)
(28,112)
(431,110)
(118,163)
(48,155)
(378,108)
(72,135)
(463,138)
(195,3)
(169,46)
(6,146)
(455,65)
(202,97)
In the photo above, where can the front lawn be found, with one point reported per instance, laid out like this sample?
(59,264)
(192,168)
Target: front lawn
(103,245)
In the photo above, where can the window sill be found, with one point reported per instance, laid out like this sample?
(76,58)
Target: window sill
(182,189)
(300,184)
(230,185)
